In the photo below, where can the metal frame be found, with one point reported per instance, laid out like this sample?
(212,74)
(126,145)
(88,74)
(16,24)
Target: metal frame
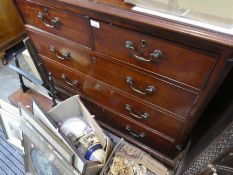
(217,148)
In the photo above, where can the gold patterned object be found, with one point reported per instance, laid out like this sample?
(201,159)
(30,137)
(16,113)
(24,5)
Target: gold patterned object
(127,159)
(88,140)
(122,166)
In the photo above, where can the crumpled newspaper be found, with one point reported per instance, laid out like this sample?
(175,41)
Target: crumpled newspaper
(121,166)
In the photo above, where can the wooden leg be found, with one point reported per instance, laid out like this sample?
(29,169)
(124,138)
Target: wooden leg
(22,85)
(4,61)
(3,58)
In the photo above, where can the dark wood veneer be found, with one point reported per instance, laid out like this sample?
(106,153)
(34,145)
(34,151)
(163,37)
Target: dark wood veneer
(119,13)
(177,62)
(71,26)
(150,139)
(90,87)
(101,111)
(112,98)
(194,65)
(108,72)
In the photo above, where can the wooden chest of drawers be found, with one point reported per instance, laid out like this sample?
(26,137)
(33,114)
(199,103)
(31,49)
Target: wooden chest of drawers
(144,78)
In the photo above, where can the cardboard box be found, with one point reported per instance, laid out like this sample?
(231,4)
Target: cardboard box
(74,107)
(47,125)
(132,153)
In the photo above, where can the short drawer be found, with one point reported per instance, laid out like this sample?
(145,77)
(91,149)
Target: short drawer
(112,98)
(168,59)
(147,88)
(62,51)
(62,23)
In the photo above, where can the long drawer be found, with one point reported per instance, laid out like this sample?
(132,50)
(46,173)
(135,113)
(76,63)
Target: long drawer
(168,59)
(147,88)
(102,115)
(58,22)
(137,132)
(160,122)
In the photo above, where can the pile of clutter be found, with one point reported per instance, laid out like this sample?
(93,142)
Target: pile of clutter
(83,138)
(127,159)
(68,136)
(73,143)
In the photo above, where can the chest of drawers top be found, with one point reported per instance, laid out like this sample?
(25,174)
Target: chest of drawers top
(119,13)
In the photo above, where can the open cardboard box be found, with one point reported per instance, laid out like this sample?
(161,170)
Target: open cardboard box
(47,125)
(74,107)
(131,152)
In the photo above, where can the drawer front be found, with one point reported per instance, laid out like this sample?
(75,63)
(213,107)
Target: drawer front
(139,133)
(111,98)
(139,85)
(62,23)
(57,50)
(133,130)
(167,59)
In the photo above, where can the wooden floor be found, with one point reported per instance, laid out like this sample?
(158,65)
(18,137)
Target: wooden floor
(11,160)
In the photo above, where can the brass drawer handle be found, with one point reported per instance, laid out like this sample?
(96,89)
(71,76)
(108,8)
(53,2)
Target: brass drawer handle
(70,82)
(62,56)
(43,17)
(135,114)
(133,133)
(148,90)
(153,56)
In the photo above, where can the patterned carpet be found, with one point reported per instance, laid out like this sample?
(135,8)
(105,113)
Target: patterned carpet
(11,158)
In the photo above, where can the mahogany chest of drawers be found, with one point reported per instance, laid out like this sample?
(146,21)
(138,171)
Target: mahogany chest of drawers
(145,78)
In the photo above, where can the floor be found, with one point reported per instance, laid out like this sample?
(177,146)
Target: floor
(11,160)
(9,82)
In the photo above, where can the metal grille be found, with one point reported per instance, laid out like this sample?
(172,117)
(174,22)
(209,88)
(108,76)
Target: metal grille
(220,145)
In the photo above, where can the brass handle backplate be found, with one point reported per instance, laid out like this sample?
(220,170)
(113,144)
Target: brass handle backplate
(136,114)
(133,133)
(68,81)
(62,56)
(148,90)
(43,16)
(155,55)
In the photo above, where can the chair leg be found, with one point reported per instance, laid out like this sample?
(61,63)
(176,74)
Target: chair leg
(22,85)
(52,89)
